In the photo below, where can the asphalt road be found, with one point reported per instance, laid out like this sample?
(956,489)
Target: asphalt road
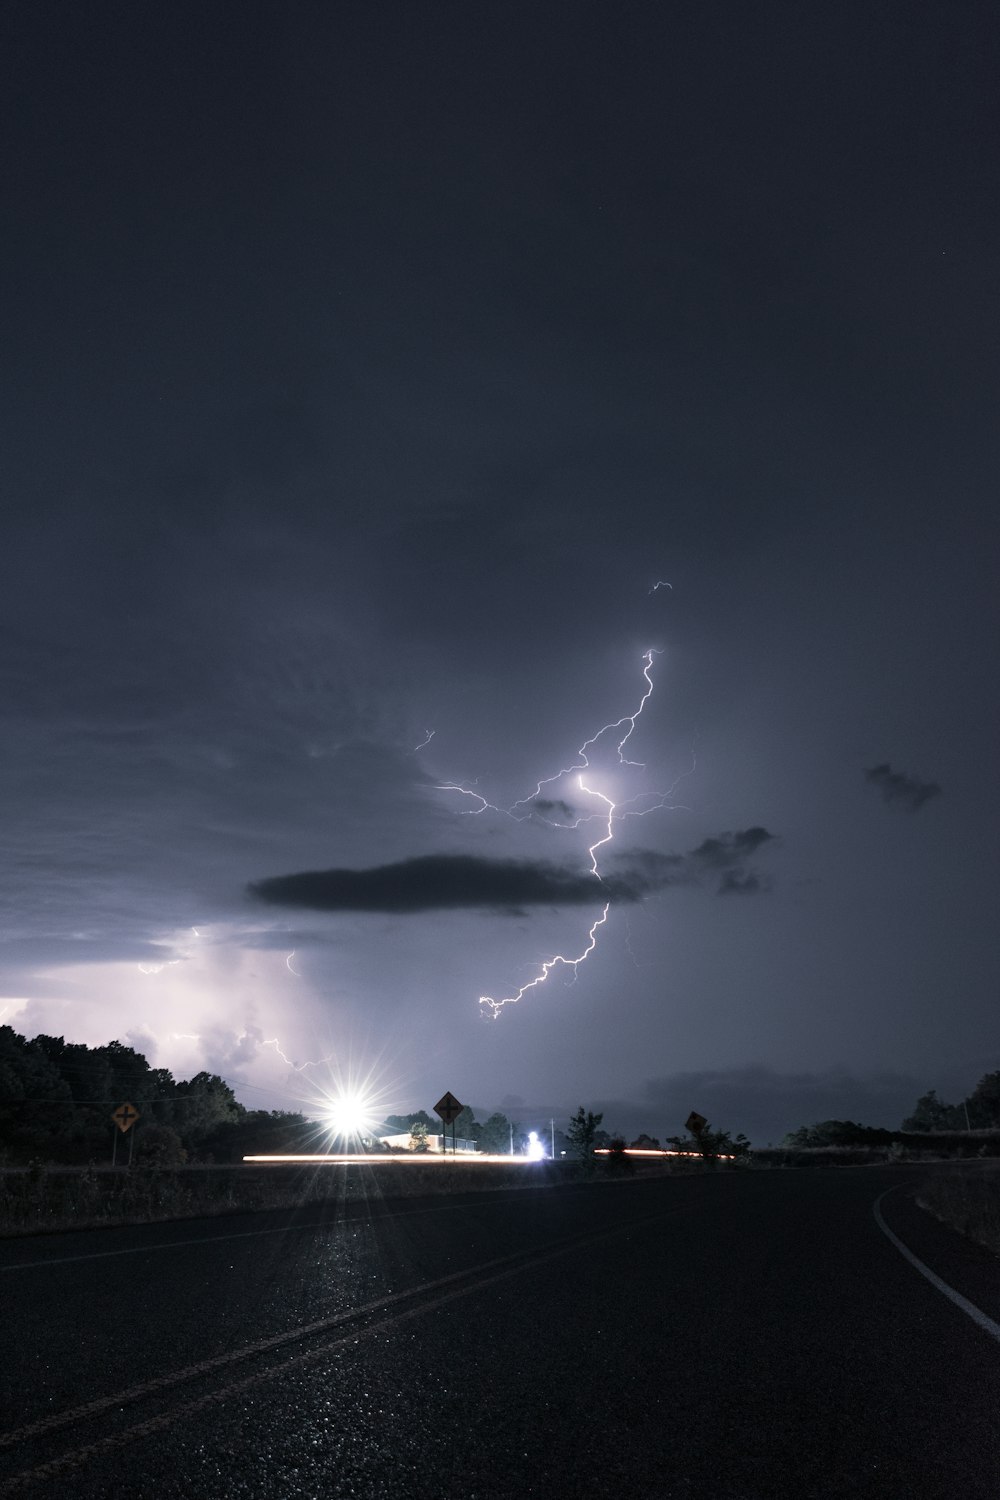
(733,1337)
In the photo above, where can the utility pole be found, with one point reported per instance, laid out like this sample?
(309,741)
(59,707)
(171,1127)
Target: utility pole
(511,1138)
(552,1131)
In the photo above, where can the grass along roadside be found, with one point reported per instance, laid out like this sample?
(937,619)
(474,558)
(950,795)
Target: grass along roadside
(41,1199)
(968,1200)
(45,1199)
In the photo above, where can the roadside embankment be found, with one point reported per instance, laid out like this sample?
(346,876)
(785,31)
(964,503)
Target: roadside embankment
(968,1200)
(40,1199)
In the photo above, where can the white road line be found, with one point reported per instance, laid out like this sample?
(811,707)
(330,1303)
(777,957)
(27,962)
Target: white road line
(75,1458)
(985,1322)
(160,1383)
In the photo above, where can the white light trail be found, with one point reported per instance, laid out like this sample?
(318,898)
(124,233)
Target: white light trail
(397,1158)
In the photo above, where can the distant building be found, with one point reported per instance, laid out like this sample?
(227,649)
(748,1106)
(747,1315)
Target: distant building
(404,1141)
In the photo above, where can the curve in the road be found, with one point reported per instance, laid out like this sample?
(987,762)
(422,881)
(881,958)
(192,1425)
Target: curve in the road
(985,1322)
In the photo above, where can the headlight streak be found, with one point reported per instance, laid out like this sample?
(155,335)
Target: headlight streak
(417,1158)
(525,808)
(479,1158)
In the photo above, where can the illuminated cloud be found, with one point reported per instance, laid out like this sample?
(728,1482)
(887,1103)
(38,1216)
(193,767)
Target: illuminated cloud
(896,786)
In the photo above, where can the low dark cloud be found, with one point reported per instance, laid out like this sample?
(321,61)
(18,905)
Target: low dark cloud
(440,882)
(545,806)
(763,1102)
(896,786)
(724,857)
(729,848)
(435,882)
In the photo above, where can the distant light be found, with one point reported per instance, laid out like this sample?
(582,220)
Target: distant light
(536,1151)
(350,1116)
(647,1151)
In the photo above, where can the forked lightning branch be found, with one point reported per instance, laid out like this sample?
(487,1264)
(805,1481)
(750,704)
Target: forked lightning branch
(603,809)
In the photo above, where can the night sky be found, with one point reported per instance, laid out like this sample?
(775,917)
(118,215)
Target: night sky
(368,366)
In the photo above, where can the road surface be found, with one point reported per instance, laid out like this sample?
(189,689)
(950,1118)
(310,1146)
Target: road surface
(742,1336)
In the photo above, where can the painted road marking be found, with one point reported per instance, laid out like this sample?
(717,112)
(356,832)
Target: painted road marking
(76,1457)
(984,1321)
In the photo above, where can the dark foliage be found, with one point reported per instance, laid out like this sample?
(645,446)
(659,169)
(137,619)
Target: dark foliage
(57,1098)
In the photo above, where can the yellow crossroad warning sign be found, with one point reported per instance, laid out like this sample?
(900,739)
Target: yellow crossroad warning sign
(125,1117)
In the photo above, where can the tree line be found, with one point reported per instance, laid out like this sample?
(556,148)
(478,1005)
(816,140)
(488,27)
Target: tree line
(979,1111)
(57,1098)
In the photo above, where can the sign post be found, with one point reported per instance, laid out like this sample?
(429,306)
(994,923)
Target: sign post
(449,1109)
(696,1124)
(124,1117)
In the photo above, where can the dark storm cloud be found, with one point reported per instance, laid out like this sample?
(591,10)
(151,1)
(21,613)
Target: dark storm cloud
(645,870)
(440,882)
(446,882)
(723,852)
(547,805)
(896,786)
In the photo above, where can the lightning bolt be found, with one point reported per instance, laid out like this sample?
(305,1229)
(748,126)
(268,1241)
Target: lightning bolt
(484,804)
(661,585)
(295,1067)
(496,1006)
(628,945)
(288,965)
(430,735)
(524,808)
(582,763)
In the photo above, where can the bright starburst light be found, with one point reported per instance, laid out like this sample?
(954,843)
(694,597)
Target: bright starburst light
(350,1116)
